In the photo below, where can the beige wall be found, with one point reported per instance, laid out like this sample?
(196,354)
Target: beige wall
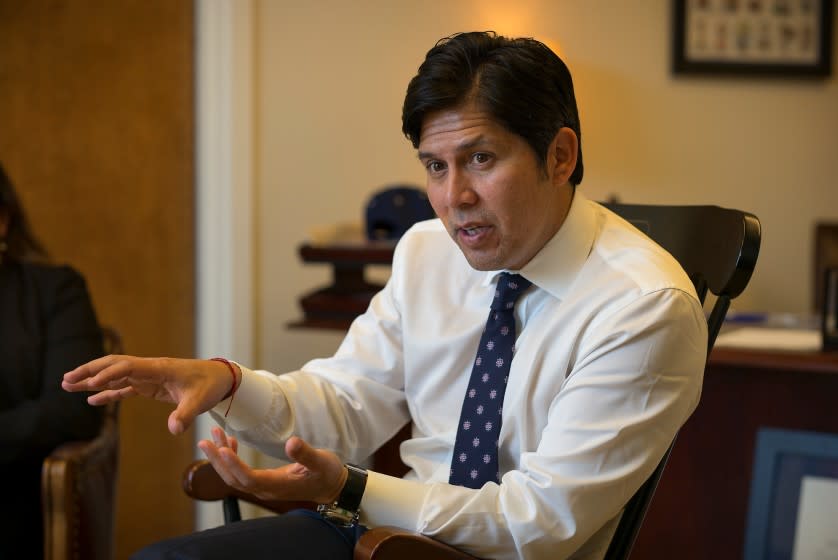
(329,81)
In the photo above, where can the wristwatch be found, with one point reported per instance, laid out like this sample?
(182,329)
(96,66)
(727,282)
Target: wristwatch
(346,510)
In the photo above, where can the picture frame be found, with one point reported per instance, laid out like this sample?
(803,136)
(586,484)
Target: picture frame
(794,472)
(752,37)
(825,257)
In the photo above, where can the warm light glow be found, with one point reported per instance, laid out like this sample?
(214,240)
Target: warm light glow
(511,20)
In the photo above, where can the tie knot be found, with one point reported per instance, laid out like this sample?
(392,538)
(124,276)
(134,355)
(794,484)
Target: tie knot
(510,287)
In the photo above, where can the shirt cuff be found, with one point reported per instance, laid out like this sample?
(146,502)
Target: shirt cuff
(379,508)
(251,401)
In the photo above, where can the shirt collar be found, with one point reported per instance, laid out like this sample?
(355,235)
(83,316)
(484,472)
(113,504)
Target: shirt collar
(556,265)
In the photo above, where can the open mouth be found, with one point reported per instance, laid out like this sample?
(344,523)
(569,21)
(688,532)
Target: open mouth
(473,231)
(473,236)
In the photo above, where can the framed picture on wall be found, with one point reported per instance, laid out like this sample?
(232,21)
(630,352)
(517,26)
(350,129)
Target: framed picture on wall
(752,37)
(793,501)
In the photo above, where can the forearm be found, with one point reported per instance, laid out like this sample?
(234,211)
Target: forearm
(268,409)
(351,403)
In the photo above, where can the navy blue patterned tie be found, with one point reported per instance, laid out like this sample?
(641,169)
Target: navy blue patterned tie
(475,459)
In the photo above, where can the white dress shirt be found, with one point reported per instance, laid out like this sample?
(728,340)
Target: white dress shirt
(608,365)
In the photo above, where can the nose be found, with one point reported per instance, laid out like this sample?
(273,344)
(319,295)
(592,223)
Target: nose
(459,189)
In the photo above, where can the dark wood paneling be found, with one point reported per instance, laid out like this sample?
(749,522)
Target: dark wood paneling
(700,508)
(96,106)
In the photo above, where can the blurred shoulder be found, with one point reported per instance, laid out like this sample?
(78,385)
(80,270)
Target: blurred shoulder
(62,279)
(53,272)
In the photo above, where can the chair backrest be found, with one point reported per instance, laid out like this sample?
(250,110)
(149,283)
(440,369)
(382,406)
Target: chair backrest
(718,248)
(78,487)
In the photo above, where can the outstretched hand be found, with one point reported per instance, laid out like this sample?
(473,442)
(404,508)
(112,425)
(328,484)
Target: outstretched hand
(316,476)
(194,386)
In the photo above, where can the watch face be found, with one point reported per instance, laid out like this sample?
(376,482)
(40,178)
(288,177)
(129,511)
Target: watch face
(337,515)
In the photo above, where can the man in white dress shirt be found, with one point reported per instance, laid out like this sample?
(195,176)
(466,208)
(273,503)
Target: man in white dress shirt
(608,359)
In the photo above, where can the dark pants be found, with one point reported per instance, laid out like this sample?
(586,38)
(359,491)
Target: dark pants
(297,535)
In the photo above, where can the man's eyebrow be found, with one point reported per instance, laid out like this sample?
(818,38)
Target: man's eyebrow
(465,146)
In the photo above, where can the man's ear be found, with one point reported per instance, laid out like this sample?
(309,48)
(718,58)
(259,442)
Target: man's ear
(563,152)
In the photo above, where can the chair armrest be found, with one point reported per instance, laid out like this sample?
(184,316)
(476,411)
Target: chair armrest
(201,482)
(385,543)
(78,486)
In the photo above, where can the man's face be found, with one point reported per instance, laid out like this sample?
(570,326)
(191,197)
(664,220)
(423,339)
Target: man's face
(486,186)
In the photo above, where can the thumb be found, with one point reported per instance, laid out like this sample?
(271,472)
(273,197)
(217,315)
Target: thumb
(175,424)
(182,417)
(317,461)
(299,451)
(324,465)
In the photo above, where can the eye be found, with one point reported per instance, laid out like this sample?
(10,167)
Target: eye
(435,167)
(481,157)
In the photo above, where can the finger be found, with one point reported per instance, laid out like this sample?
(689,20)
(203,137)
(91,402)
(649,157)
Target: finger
(113,370)
(228,465)
(219,437)
(117,384)
(238,469)
(88,369)
(211,453)
(108,396)
(234,444)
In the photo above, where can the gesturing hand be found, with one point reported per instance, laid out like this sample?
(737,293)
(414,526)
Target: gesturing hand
(316,476)
(195,386)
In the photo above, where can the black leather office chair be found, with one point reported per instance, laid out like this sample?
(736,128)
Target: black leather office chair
(718,249)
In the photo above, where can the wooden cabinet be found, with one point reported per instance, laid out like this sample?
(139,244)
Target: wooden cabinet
(700,508)
(336,305)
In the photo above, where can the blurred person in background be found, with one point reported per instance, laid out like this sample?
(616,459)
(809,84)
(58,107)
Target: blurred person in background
(47,326)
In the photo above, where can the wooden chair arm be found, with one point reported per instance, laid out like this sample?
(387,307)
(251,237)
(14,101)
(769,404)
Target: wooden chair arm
(78,487)
(386,543)
(201,482)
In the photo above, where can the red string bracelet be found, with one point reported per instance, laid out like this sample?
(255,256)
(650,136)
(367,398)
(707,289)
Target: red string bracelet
(232,392)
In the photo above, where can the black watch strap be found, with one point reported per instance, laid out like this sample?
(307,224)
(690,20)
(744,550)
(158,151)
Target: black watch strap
(345,511)
(353,490)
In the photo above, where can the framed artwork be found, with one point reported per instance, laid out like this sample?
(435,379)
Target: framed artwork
(826,257)
(794,496)
(752,37)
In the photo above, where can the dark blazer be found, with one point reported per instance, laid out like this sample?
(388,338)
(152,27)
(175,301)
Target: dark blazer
(47,327)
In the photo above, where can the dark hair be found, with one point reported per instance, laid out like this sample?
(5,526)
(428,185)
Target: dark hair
(21,242)
(520,82)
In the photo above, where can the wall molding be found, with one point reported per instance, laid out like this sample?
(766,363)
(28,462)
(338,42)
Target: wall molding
(224,194)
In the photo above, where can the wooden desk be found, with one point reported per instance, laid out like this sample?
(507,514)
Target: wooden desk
(699,510)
